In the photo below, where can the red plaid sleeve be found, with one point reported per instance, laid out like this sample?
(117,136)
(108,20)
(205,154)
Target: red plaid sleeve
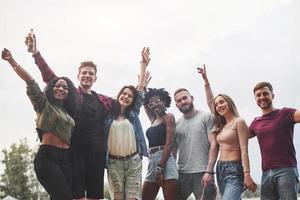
(107,102)
(44,68)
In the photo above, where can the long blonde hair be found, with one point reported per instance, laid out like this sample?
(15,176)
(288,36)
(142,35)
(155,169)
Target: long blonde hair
(220,120)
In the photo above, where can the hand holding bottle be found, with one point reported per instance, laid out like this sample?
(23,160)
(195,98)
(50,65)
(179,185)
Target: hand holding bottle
(30,41)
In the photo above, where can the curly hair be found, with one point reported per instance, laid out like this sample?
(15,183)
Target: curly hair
(116,108)
(161,93)
(71,102)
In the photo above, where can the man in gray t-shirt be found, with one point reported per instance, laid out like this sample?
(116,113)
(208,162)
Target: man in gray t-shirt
(196,148)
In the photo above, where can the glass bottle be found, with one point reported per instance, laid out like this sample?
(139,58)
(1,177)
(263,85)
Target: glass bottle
(30,41)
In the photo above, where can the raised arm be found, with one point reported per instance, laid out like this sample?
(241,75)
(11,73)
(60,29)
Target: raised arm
(243,133)
(151,116)
(143,65)
(44,68)
(33,90)
(144,79)
(208,92)
(22,73)
(141,80)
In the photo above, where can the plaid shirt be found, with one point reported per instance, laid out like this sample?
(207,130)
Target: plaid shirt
(48,75)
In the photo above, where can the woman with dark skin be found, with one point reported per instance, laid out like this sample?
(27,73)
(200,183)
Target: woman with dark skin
(162,171)
(55,109)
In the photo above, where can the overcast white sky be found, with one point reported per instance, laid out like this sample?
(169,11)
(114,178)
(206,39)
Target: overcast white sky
(241,42)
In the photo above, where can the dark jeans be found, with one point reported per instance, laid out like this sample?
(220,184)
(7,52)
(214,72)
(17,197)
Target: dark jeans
(88,174)
(52,167)
(191,183)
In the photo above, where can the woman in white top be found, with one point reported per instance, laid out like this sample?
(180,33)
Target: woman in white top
(125,139)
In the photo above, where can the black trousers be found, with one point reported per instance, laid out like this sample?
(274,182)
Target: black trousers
(88,174)
(52,167)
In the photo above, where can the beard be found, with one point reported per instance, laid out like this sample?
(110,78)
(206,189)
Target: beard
(266,105)
(187,109)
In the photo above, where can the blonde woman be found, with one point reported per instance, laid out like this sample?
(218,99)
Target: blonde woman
(233,168)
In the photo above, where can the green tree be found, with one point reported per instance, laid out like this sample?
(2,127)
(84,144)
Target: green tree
(18,179)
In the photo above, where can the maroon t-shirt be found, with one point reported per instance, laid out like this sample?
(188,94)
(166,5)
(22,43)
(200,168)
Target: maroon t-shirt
(275,132)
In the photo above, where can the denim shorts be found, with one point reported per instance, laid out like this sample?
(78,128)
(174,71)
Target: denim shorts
(170,169)
(280,183)
(230,178)
(125,177)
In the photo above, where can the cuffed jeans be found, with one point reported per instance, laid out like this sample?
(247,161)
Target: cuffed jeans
(281,183)
(230,177)
(125,177)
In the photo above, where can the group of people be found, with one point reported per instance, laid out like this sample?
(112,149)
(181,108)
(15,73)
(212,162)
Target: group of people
(83,132)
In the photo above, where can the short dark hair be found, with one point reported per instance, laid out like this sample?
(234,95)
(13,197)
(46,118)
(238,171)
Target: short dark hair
(87,64)
(263,84)
(161,93)
(180,90)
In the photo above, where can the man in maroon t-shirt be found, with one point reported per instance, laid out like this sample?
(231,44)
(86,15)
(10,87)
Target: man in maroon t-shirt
(274,130)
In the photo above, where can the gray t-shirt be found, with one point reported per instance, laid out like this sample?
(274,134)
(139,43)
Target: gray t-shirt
(192,141)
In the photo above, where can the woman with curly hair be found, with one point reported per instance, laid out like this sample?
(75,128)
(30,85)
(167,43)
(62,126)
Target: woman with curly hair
(162,171)
(55,109)
(125,139)
(233,168)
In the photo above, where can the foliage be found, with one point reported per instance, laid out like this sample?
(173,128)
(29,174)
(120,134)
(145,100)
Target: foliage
(18,179)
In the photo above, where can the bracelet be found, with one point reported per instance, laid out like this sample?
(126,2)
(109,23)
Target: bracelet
(210,173)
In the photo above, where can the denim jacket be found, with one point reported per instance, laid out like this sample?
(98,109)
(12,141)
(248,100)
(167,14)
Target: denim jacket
(137,127)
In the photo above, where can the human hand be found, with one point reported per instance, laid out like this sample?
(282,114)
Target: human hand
(6,55)
(159,176)
(202,71)
(30,39)
(145,55)
(249,183)
(206,179)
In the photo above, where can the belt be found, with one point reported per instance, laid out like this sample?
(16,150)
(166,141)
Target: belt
(122,157)
(155,149)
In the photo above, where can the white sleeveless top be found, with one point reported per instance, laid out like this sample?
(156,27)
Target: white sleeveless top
(121,139)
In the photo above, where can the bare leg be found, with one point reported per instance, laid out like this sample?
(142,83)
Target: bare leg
(170,189)
(150,191)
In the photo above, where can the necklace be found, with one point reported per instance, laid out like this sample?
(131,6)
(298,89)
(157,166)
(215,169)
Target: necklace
(229,125)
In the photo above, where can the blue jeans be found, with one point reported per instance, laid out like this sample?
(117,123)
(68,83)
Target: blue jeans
(281,183)
(230,177)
